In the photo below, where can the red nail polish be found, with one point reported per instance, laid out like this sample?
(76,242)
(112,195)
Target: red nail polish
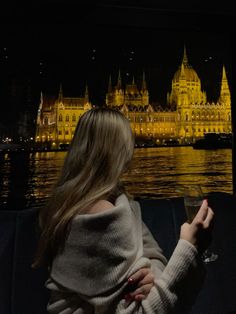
(130,280)
(138,298)
(127,297)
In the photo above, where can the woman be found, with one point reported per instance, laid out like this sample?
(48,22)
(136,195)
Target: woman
(93,237)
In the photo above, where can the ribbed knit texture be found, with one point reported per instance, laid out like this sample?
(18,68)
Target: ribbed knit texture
(103,250)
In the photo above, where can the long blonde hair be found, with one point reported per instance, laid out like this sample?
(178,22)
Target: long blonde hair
(100,152)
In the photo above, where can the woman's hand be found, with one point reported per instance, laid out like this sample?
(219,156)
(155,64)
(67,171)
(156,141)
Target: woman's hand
(198,232)
(140,284)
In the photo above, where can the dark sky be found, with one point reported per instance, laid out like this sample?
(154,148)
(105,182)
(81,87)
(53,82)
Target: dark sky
(42,53)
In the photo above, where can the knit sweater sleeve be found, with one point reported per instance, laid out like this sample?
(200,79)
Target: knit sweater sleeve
(152,250)
(179,285)
(181,276)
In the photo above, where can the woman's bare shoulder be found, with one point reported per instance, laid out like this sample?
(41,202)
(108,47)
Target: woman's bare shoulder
(99,206)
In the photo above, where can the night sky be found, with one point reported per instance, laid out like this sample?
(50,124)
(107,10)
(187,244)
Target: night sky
(39,55)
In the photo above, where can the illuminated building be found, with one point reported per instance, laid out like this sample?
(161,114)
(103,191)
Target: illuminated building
(58,116)
(190,114)
(188,117)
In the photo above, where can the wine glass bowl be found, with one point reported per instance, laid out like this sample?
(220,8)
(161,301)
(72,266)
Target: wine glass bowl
(193,198)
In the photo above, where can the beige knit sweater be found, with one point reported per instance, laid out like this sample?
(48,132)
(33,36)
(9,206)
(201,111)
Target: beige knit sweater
(103,250)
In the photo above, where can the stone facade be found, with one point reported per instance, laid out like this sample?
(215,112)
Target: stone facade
(58,116)
(189,117)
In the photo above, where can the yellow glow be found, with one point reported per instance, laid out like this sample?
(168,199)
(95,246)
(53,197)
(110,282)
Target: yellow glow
(193,116)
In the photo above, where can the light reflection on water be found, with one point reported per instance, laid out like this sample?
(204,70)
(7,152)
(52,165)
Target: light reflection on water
(27,179)
(157,172)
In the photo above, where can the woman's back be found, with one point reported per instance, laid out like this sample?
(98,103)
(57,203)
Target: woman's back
(93,237)
(102,250)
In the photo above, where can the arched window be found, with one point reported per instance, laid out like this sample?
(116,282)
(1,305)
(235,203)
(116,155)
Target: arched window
(46,120)
(67,118)
(60,117)
(73,118)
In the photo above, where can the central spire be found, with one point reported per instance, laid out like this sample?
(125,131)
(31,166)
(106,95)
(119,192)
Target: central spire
(185,58)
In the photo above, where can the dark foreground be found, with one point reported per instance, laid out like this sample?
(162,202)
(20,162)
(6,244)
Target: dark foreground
(22,288)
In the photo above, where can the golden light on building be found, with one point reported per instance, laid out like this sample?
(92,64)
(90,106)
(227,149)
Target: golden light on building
(189,116)
(58,116)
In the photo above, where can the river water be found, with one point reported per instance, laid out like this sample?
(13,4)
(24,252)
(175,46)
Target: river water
(26,179)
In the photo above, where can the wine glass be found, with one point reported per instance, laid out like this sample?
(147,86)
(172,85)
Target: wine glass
(193,198)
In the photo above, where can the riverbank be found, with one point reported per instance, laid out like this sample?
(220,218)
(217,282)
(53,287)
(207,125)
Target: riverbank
(15,149)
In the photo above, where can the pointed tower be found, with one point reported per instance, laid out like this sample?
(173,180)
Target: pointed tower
(185,58)
(133,81)
(87,104)
(144,84)
(39,119)
(60,94)
(117,99)
(109,85)
(225,96)
(119,82)
(86,94)
(144,91)
(40,108)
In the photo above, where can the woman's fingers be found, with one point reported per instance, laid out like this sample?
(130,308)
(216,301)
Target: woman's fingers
(204,216)
(141,292)
(209,217)
(148,279)
(140,284)
(140,297)
(202,212)
(138,275)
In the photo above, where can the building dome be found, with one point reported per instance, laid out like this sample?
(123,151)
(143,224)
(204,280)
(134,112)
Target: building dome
(189,72)
(186,70)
